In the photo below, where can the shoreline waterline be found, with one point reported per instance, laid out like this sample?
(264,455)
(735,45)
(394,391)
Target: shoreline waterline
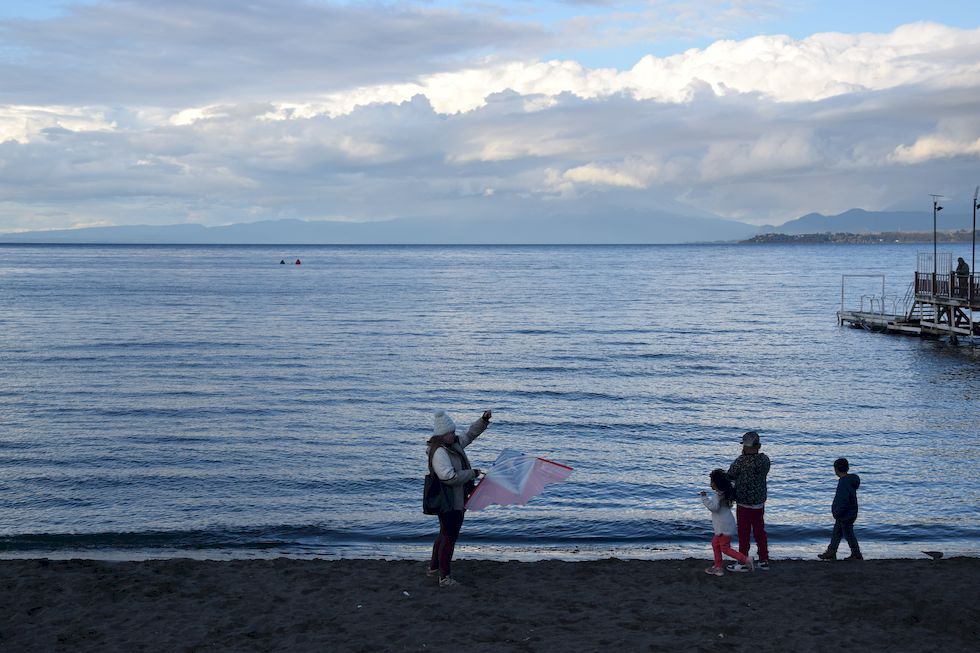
(798,551)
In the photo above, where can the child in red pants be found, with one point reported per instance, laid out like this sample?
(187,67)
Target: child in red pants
(720,505)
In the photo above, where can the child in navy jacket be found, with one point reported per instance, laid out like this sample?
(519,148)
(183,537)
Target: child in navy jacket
(845,511)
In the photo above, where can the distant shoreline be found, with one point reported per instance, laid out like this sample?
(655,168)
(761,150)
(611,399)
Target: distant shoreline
(827,238)
(844,238)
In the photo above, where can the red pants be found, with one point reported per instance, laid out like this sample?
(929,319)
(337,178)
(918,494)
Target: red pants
(442,549)
(751,520)
(723,544)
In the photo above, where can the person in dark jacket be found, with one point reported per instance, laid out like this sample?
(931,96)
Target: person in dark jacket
(845,511)
(962,277)
(748,473)
(962,268)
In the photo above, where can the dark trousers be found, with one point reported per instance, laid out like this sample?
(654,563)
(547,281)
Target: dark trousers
(752,520)
(845,528)
(442,549)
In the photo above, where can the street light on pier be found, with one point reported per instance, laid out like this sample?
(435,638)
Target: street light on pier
(973,257)
(935,253)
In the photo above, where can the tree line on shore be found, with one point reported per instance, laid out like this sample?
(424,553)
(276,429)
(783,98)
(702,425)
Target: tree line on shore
(958,236)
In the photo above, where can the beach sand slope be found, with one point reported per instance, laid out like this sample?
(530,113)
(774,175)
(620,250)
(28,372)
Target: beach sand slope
(377,605)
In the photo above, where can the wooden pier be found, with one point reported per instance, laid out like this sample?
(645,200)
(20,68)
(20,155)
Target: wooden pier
(935,305)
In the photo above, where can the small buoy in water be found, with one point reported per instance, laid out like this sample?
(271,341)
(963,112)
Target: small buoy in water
(282,262)
(298,263)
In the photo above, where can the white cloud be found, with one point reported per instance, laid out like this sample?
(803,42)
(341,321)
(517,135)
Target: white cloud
(359,149)
(22,123)
(631,174)
(775,67)
(493,145)
(930,147)
(768,153)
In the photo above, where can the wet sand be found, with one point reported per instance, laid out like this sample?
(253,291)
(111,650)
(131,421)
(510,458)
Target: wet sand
(377,605)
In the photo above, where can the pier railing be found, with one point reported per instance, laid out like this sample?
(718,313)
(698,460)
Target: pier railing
(867,301)
(948,286)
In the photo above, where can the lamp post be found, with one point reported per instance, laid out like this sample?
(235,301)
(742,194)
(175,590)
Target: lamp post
(935,249)
(973,254)
(973,257)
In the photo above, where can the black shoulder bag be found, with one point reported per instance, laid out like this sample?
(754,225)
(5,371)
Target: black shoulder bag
(437,497)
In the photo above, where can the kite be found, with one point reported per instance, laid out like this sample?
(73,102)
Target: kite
(515,478)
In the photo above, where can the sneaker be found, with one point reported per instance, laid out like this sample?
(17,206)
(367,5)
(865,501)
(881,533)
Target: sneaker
(827,555)
(714,571)
(855,556)
(738,567)
(448,581)
(432,572)
(762,565)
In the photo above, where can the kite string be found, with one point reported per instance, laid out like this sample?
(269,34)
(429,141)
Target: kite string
(516,459)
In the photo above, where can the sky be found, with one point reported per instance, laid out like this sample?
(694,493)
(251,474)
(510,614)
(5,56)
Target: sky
(222,111)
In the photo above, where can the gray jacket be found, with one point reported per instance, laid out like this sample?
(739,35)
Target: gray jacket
(451,465)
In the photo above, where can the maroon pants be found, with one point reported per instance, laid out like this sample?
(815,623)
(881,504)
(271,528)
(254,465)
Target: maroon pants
(442,549)
(750,520)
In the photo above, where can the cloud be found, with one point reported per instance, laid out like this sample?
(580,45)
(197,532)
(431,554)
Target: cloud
(652,22)
(630,174)
(774,67)
(762,129)
(316,58)
(770,152)
(936,146)
(21,123)
(186,52)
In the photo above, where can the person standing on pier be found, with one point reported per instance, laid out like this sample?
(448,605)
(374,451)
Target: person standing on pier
(962,277)
(749,472)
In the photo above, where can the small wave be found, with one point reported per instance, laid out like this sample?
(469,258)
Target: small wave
(534,332)
(523,532)
(573,396)
(540,368)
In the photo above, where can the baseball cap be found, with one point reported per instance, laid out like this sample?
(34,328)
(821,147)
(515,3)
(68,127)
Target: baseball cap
(750,439)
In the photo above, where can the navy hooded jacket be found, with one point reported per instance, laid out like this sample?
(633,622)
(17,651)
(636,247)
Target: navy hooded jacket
(846,499)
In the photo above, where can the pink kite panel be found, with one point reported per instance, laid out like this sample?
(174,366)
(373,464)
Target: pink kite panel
(515,478)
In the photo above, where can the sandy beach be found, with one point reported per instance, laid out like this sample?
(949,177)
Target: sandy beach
(378,605)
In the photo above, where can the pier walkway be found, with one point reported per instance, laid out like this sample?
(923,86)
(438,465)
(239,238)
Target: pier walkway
(935,305)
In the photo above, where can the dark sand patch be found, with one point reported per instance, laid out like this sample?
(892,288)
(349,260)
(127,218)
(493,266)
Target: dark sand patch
(376,605)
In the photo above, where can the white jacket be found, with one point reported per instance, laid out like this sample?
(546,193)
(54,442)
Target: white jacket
(721,515)
(451,465)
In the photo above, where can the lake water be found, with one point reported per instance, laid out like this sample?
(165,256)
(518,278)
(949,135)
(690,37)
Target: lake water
(208,401)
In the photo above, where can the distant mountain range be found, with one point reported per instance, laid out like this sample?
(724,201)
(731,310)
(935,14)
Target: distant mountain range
(859,221)
(624,228)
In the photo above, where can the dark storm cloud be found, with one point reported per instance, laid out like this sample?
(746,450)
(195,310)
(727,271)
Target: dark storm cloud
(185,52)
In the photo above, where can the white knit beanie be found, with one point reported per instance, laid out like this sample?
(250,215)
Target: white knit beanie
(443,424)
